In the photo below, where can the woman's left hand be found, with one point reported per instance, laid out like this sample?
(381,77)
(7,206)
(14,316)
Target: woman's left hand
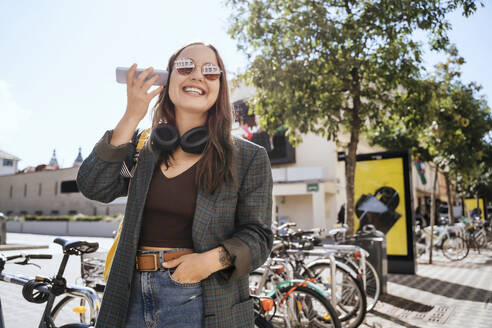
(190,268)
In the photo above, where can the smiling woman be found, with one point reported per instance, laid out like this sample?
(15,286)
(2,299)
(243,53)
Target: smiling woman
(199,202)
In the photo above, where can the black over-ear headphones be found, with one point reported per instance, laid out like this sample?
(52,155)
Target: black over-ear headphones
(165,137)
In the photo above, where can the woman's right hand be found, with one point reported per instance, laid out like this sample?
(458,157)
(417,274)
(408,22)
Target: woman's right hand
(137,89)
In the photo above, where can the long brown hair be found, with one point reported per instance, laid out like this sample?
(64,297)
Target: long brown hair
(216,165)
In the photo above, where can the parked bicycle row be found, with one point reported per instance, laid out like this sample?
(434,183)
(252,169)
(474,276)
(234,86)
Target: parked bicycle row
(308,282)
(455,241)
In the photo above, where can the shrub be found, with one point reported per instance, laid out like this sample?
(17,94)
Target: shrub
(90,218)
(46,218)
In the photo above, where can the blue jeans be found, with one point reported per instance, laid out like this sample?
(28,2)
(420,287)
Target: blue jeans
(157,300)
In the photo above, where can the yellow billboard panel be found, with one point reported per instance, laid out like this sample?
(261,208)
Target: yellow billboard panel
(471,204)
(380,200)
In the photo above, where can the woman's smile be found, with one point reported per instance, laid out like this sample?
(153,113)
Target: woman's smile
(194,91)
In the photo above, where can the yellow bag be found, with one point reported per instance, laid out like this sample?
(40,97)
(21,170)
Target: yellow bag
(112,250)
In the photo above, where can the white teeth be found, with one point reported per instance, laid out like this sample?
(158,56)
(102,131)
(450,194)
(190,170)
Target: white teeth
(195,90)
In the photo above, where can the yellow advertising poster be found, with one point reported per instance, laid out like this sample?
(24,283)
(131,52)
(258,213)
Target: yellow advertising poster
(471,204)
(380,200)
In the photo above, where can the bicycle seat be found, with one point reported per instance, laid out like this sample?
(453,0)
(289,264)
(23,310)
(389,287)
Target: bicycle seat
(77,247)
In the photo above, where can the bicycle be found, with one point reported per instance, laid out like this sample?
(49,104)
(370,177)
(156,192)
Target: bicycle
(476,233)
(355,258)
(295,302)
(45,290)
(343,284)
(448,238)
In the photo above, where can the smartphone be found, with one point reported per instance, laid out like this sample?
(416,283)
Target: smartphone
(121,73)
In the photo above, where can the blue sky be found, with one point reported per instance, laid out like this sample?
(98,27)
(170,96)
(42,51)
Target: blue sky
(58,60)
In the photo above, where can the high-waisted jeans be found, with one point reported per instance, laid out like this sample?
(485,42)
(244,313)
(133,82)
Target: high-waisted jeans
(157,300)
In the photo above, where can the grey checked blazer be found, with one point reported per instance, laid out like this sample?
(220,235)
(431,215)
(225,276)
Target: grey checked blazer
(237,217)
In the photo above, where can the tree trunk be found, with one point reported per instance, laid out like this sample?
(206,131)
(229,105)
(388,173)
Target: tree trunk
(450,199)
(350,164)
(478,200)
(433,214)
(351,160)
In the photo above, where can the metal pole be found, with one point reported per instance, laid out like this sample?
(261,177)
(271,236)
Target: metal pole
(333,269)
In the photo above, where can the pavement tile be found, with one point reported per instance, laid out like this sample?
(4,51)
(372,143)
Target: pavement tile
(450,294)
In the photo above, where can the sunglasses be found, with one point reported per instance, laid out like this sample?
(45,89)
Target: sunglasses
(185,66)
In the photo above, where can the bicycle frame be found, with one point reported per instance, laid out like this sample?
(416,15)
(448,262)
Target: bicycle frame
(88,294)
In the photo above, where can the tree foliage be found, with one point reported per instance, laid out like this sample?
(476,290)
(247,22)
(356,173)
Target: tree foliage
(449,126)
(331,66)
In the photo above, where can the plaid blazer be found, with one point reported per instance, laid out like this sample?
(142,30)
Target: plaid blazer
(237,217)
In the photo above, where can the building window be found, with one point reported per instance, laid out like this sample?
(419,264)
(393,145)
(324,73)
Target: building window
(56,188)
(38,212)
(10,213)
(39,189)
(107,210)
(11,191)
(8,162)
(25,190)
(69,186)
(55,212)
(95,211)
(23,212)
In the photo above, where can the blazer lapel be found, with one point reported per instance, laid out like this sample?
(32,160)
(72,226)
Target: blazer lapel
(204,211)
(143,176)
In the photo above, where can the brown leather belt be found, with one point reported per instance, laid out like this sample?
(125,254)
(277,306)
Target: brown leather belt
(152,260)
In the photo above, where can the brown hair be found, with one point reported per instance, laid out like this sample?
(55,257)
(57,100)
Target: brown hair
(216,165)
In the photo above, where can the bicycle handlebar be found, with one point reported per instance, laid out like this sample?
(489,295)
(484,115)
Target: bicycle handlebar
(41,256)
(30,256)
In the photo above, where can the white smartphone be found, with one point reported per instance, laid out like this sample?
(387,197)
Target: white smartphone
(121,73)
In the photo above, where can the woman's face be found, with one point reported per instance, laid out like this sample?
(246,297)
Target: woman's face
(194,93)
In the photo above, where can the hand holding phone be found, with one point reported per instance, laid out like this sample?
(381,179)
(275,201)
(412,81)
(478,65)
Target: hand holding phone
(138,90)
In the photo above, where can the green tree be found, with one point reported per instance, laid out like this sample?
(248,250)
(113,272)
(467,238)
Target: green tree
(449,129)
(335,66)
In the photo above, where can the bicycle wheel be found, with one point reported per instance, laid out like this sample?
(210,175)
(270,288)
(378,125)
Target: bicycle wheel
(373,282)
(455,248)
(351,302)
(481,238)
(373,286)
(71,309)
(303,307)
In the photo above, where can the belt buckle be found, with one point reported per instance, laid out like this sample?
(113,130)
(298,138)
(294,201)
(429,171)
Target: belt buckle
(156,267)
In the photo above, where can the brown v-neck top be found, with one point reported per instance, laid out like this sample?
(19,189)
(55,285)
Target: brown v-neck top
(169,209)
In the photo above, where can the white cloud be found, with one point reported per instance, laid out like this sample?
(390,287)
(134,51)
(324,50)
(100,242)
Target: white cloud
(12,117)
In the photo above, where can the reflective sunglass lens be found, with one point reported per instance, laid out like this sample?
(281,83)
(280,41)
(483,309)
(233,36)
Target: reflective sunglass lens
(184,70)
(212,77)
(211,71)
(184,66)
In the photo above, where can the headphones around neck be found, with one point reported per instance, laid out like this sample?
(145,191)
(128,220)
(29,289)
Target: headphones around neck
(165,137)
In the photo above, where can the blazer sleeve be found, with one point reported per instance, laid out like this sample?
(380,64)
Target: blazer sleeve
(251,244)
(99,175)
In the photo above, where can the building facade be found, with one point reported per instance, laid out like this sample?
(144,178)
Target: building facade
(50,192)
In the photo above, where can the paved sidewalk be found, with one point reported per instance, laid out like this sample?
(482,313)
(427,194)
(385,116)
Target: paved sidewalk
(442,295)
